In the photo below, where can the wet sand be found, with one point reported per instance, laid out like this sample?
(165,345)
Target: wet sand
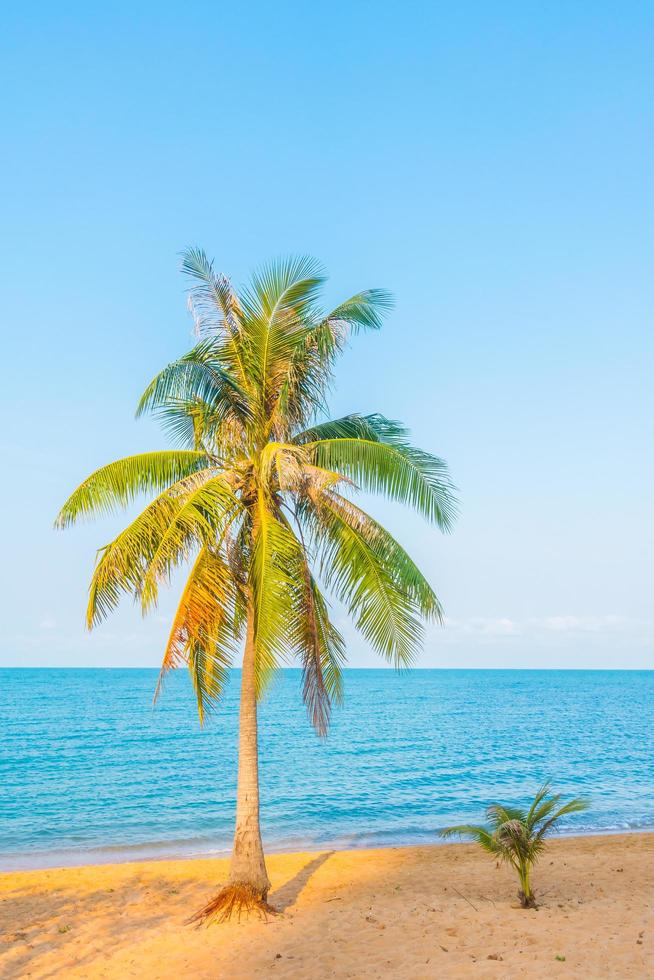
(410,912)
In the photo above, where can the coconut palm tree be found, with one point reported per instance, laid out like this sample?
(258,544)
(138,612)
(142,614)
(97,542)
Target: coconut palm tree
(518,836)
(255,500)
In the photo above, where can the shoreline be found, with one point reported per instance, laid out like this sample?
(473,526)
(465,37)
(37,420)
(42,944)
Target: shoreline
(117,855)
(402,912)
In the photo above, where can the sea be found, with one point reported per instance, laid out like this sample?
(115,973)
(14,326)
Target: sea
(91,771)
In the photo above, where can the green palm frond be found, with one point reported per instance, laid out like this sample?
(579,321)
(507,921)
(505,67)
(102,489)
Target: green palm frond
(202,376)
(321,648)
(497,814)
(286,286)
(573,806)
(274,569)
(121,564)
(383,611)
(541,800)
(374,428)
(479,834)
(305,379)
(190,424)
(363,311)
(399,472)
(277,322)
(120,483)
(202,519)
(405,573)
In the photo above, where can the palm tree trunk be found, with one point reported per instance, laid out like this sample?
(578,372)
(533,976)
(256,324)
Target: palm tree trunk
(248,866)
(526,896)
(248,885)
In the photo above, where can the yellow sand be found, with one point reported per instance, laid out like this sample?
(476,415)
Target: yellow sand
(439,912)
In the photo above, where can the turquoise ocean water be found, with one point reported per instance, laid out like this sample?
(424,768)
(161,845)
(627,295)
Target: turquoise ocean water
(90,772)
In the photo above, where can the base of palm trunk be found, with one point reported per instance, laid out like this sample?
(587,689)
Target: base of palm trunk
(234,898)
(527,901)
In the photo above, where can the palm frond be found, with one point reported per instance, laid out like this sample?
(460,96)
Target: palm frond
(479,834)
(577,805)
(275,561)
(202,376)
(305,379)
(118,484)
(498,814)
(384,612)
(321,648)
(399,472)
(202,519)
(277,321)
(540,796)
(363,311)
(374,428)
(163,535)
(212,300)
(202,635)
(403,570)
(286,285)
(191,424)
(121,564)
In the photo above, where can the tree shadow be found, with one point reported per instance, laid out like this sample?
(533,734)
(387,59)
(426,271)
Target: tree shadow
(34,923)
(286,896)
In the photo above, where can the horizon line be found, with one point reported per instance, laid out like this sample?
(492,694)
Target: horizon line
(401,670)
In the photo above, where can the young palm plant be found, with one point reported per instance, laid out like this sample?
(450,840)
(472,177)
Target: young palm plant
(517,836)
(256,502)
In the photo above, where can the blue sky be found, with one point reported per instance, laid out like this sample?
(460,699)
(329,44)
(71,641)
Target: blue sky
(489,163)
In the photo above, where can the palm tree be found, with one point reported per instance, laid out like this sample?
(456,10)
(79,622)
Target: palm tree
(255,501)
(518,837)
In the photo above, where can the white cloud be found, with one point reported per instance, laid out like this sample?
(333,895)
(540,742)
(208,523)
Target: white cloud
(564,624)
(481,626)
(580,624)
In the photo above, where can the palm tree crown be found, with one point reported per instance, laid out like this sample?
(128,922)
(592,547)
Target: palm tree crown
(257,493)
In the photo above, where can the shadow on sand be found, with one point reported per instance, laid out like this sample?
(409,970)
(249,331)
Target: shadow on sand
(286,896)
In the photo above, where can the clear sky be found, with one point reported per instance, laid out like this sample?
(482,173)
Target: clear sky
(491,163)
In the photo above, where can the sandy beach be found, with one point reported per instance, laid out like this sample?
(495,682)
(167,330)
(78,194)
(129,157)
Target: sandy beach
(441,911)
